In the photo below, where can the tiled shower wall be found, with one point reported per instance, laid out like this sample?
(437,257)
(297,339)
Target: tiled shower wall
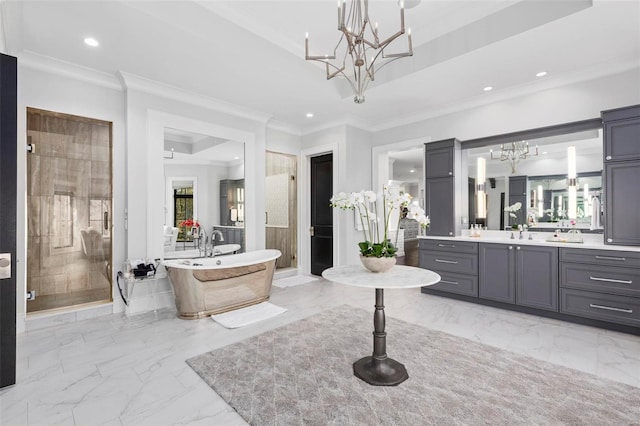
(68,210)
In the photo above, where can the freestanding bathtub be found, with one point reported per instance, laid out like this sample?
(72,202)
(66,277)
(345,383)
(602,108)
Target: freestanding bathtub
(212,285)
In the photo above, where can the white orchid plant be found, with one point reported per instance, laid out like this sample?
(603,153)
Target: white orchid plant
(512,209)
(371,208)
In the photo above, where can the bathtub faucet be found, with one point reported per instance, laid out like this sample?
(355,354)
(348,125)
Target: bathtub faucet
(215,233)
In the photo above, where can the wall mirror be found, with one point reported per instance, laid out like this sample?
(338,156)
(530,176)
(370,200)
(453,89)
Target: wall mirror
(556,178)
(204,183)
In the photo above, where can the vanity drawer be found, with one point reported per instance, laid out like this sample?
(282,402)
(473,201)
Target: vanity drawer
(449,245)
(457,283)
(608,279)
(601,257)
(459,263)
(604,307)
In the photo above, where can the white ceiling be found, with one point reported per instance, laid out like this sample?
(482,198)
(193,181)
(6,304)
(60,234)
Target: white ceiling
(251,53)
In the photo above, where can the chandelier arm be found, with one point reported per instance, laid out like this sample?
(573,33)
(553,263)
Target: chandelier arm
(337,72)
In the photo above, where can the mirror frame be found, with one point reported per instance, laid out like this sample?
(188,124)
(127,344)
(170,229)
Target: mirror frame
(536,133)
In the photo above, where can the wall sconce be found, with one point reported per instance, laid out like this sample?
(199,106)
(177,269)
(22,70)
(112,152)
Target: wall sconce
(481,199)
(560,207)
(540,200)
(571,155)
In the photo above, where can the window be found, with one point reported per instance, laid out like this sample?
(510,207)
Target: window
(182,209)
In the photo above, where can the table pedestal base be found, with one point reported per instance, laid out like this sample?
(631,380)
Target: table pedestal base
(380,372)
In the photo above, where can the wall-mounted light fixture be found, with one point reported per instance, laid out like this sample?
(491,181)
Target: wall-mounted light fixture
(572,182)
(481,198)
(540,201)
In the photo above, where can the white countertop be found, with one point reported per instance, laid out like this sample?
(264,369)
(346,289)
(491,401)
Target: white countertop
(591,241)
(229,226)
(399,276)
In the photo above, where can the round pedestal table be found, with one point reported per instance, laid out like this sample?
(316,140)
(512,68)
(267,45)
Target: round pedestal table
(378,369)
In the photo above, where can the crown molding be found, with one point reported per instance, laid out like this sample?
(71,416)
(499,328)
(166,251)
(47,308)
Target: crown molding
(580,76)
(142,84)
(51,65)
(283,127)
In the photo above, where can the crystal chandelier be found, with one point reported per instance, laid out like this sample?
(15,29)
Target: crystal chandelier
(513,152)
(364,53)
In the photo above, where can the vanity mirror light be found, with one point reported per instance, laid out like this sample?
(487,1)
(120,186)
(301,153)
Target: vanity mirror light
(198,169)
(556,175)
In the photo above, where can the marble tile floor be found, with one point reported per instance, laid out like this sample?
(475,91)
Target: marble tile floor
(117,370)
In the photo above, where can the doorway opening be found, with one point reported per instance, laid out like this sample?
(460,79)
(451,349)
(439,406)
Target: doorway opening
(69,210)
(281,207)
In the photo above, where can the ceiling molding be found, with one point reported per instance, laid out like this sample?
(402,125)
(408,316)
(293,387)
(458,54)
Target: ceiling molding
(579,76)
(516,19)
(142,84)
(51,65)
(283,127)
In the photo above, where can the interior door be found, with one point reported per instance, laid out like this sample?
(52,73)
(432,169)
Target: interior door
(8,164)
(321,213)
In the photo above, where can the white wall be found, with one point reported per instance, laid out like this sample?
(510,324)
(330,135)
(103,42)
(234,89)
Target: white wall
(283,142)
(147,116)
(47,91)
(574,102)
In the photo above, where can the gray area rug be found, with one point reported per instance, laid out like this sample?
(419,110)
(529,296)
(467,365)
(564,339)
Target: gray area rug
(301,374)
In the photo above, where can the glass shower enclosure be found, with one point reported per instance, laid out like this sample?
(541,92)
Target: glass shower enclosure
(69,210)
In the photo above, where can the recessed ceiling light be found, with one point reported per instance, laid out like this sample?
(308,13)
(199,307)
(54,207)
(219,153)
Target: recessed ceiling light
(412,171)
(236,158)
(309,115)
(541,74)
(544,152)
(90,41)
(488,88)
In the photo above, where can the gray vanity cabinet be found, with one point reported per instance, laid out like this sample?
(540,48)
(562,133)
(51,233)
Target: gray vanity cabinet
(439,203)
(537,277)
(622,134)
(229,199)
(442,177)
(455,261)
(622,175)
(497,272)
(518,194)
(622,193)
(521,274)
(602,285)
(440,159)
(224,203)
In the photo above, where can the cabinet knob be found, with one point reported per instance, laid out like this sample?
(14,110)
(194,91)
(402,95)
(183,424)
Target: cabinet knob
(450,233)
(608,157)
(609,240)
(450,173)
(518,248)
(510,247)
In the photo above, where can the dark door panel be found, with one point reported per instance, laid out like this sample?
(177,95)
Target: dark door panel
(321,213)
(8,163)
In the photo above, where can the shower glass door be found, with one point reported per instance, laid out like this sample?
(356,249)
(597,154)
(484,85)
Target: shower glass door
(69,210)
(281,204)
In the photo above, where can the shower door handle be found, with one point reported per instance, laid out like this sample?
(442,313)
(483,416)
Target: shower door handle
(106,221)
(311,231)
